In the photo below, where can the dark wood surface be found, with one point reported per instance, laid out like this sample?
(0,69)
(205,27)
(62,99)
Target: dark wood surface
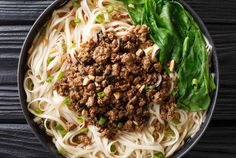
(17,139)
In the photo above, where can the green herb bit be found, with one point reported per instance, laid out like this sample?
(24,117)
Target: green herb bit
(110,9)
(120,125)
(77,20)
(41,126)
(76,4)
(113,149)
(62,150)
(50,59)
(100,19)
(60,75)
(80,120)
(158,155)
(176,121)
(49,79)
(101,94)
(30,85)
(84,130)
(38,111)
(61,129)
(102,121)
(168,133)
(67,101)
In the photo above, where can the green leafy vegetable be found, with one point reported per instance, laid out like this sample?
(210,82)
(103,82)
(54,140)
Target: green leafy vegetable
(61,129)
(180,39)
(60,75)
(38,111)
(101,121)
(149,87)
(67,101)
(158,155)
(101,94)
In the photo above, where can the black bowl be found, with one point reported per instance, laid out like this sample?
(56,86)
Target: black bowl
(46,140)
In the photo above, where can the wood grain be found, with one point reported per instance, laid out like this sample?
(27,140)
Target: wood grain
(21,141)
(16,138)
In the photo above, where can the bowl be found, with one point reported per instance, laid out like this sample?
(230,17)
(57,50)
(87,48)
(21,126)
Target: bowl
(22,68)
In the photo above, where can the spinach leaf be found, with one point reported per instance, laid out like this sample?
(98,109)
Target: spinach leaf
(174,30)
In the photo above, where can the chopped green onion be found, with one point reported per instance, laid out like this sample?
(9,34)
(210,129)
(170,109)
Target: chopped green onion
(67,101)
(73,46)
(102,121)
(50,60)
(100,19)
(101,94)
(166,69)
(176,121)
(168,133)
(110,9)
(30,85)
(61,129)
(38,111)
(173,93)
(76,4)
(113,149)
(41,126)
(60,75)
(151,86)
(158,155)
(62,150)
(49,79)
(77,20)
(84,130)
(80,120)
(120,125)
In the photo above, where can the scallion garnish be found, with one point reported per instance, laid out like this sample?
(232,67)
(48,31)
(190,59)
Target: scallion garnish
(50,60)
(80,120)
(77,20)
(67,101)
(49,79)
(158,155)
(30,85)
(76,4)
(101,94)
(120,125)
(113,149)
(84,130)
(61,129)
(38,111)
(102,121)
(60,75)
(100,19)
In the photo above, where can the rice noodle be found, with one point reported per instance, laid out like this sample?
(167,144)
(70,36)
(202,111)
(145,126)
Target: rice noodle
(62,39)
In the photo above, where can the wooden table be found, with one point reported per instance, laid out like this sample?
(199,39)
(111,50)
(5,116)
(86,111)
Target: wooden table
(17,139)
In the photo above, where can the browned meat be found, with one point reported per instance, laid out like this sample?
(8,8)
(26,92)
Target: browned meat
(70,126)
(114,82)
(83,139)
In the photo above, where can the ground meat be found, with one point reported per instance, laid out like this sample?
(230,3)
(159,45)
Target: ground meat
(83,139)
(70,126)
(115,81)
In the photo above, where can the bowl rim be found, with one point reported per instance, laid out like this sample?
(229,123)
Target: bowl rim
(46,140)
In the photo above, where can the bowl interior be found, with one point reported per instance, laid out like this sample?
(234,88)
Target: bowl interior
(22,68)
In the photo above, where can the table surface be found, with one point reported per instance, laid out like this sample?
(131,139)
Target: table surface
(17,139)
